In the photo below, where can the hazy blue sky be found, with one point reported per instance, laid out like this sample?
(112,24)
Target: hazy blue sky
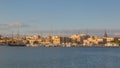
(59,14)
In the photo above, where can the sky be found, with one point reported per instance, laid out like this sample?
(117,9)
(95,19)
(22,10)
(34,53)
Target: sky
(43,15)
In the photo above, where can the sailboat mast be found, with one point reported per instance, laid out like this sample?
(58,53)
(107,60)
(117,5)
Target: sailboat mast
(18,32)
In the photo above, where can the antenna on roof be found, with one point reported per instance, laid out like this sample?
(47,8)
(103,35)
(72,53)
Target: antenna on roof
(87,31)
(18,32)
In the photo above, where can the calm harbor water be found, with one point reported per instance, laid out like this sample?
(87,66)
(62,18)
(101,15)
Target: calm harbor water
(40,57)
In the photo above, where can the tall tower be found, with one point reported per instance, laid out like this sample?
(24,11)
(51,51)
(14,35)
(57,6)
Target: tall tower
(105,34)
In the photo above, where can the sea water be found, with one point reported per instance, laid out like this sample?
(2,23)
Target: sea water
(58,57)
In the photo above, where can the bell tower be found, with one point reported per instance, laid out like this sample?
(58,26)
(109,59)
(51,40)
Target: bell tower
(105,34)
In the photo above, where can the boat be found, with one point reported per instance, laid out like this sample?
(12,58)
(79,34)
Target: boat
(15,44)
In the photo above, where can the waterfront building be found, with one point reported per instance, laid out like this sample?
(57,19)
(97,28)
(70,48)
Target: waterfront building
(48,40)
(2,41)
(110,44)
(65,41)
(28,37)
(109,39)
(94,40)
(57,40)
(78,38)
(35,37)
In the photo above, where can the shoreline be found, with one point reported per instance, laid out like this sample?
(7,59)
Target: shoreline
(67,47)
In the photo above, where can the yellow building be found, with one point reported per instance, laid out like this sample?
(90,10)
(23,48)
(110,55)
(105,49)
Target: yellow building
(61,40)
(78,38)
(109,39)
(94,41)
(48,40)
(57,40)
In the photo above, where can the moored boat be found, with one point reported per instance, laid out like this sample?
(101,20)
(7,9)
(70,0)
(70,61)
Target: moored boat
(15,44)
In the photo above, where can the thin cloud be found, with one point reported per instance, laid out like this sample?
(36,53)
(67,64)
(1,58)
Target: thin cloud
(12,25)
(17,24)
